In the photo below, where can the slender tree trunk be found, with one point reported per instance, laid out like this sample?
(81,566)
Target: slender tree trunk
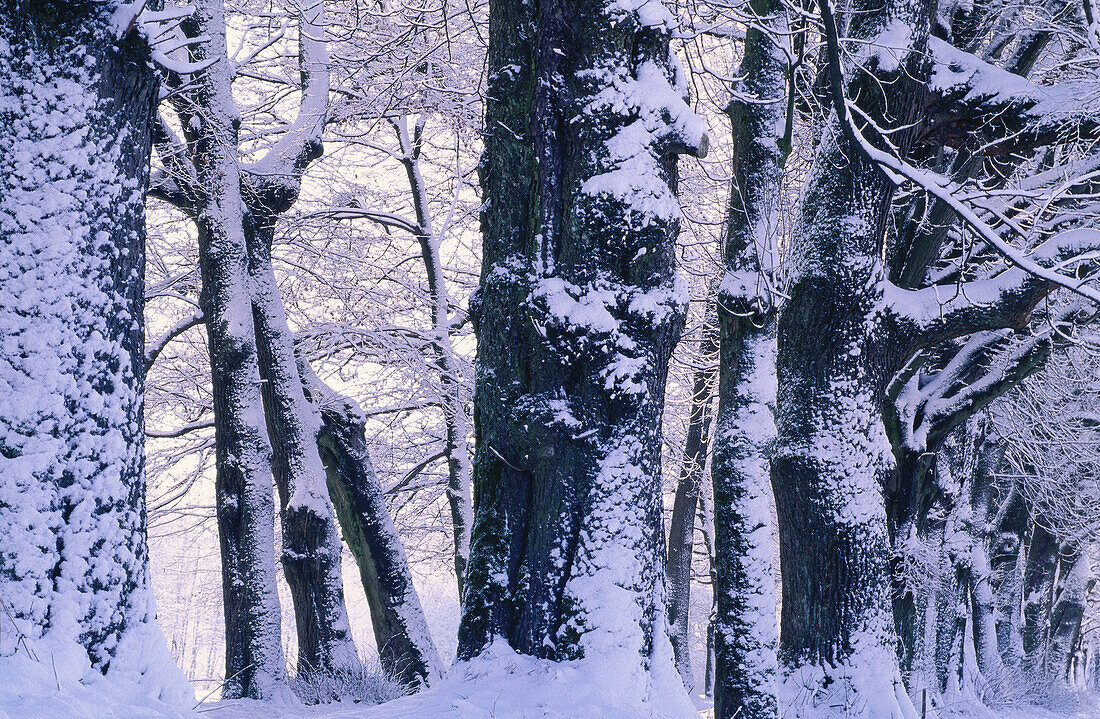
(455,415)
(311,546)
(1038,585)
(681,531)
(986,457)
(77,101)
(706,527)
(576,316)
(983,611)
(745,632)
(254,661)
(235,207)
(405,646)
(1067,611)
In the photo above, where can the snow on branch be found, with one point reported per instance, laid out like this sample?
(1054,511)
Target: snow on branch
(161,29)
(996,301)
(157,346)
(177,182)
(940,388)
(180,431)
(1005,300)
(990,111)
(302,143)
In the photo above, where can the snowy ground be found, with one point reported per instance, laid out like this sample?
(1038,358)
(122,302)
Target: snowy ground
(431,705)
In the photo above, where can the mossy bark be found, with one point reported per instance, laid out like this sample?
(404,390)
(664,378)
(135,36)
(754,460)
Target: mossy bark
(567,404)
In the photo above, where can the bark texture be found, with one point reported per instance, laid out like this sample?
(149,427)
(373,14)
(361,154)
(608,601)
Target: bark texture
(254,662)
(77,97)
(576,316)
(405,646)
(745,631)
(311,546)
(835,355)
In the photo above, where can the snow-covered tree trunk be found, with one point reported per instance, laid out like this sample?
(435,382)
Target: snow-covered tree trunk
(1066,612)
(745,631)
(981,529)
(77,102)
(706,529)
(405,645)
(236,207)
(681,525)
(835,355)
(312,549)
(576,315)
(1039,574)
(456,447)
(254,662)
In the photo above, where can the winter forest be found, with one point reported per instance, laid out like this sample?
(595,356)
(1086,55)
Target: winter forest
(549,359)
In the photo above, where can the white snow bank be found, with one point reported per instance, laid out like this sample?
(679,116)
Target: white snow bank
(51,678)
(500,684)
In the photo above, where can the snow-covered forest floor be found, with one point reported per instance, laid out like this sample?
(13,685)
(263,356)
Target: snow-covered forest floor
(485,700)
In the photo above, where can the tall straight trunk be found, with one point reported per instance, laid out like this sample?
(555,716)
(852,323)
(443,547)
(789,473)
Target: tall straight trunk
(77,101)
(952,620)
(405,646)
(1039,570)
(836,352)
(1066,613)
(576,315)
(981,529)
(254,661)
(681,526)
(745,632)
(455,416)
(312,549)
(983,610)
(706,527)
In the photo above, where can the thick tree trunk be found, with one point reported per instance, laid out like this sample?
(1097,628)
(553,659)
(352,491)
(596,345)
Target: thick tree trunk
(832,458)
(405,646)
(311,546)
(832,455)
(1067,611)
(681,527)
(254,661)
(77,101)
(745,632)
(576,316)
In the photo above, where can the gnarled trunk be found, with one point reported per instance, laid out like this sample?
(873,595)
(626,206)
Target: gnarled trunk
(576,315)
(405,646)
(836,352)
